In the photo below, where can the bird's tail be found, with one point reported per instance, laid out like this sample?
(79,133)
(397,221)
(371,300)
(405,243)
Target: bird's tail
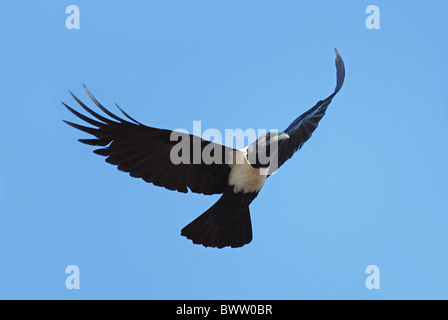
(224,224)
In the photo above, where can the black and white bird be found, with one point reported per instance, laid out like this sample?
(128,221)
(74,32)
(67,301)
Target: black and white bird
(146,152)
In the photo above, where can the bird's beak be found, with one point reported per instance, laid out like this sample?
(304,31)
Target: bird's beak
(283,136)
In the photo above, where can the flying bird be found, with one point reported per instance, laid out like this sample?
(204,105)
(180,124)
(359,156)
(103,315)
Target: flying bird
(146,152)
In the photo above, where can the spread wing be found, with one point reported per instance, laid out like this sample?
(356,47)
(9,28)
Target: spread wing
(301,129)
(146,152)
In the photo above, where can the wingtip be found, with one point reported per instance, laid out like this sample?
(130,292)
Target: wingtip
(336,52)
(340,68)
(87,90)
(128,116)
(73,95)
(338,57)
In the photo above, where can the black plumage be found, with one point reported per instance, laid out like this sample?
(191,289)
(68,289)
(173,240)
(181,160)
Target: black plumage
(144,152)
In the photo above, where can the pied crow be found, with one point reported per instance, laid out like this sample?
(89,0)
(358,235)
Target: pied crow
(147,153)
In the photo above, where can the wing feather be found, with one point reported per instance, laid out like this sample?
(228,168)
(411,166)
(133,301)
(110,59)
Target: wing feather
(144,152)
(301,129)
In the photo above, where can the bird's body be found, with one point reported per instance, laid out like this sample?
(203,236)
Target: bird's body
(243,177)
(147,153)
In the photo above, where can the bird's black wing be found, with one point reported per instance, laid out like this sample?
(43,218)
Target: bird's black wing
(144,152)
(301,129)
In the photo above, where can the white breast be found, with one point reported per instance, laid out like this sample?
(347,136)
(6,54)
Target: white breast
(243,177)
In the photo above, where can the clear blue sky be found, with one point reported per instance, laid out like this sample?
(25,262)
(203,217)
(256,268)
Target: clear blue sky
(370,186)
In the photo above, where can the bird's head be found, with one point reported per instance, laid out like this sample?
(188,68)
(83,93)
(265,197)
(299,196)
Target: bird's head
(261,152)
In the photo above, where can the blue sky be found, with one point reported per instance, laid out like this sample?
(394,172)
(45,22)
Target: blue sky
(369,188)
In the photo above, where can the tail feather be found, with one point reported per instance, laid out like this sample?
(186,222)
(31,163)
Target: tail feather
(224,224)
